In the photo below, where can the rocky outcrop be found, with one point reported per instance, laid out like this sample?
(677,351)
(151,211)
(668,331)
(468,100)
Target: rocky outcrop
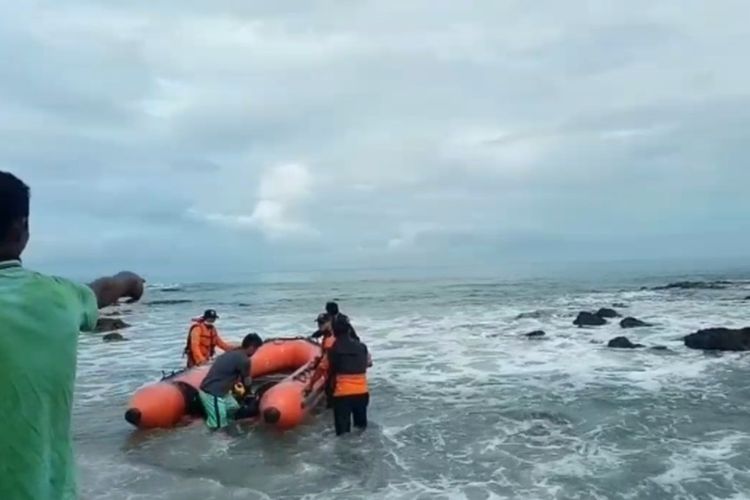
(623,343)
(113,337)
(719,339)
(535,334)
(585,318)
(631,322)
(110,325)
(606,312)
(695,285)
(110,289)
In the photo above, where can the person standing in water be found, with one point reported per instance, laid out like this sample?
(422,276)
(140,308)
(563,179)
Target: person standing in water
(332,308)
(203,339)
(348,361)
(228,371)
(41,317)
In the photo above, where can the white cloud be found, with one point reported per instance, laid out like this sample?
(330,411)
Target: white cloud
(409,234)
(282,193)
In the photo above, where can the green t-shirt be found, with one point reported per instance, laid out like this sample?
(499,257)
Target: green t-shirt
(40,318)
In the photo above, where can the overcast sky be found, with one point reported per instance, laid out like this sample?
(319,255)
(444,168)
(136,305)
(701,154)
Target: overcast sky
(186,137)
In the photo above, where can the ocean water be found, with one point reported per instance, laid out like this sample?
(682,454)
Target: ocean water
(462,404)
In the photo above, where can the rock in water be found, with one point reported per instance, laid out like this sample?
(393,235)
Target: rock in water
(719,339)
(631,322)
(532,314)
(585,318)
(535,333)
(695,285)
(606,312)
(113,337)
(619,304)
(109,325)
(623,343)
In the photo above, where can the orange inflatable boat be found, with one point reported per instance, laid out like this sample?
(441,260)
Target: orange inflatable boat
(174,399)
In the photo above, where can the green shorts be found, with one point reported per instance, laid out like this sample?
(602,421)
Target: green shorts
(218,409)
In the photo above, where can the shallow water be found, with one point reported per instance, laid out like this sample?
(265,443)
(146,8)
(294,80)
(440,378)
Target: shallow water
(462,405)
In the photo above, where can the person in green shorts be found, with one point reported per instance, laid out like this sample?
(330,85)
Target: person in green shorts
(229,370)
(41,317)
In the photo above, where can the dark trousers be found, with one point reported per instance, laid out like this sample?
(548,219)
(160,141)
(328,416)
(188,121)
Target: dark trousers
(348,408)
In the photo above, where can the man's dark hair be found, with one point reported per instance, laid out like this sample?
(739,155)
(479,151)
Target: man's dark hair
(252,339)
(341,326)
(14,201)
(332,308)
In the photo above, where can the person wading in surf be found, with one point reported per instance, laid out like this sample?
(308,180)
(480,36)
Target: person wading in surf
(332,309)
(229,377)
(203,339)
(348,361)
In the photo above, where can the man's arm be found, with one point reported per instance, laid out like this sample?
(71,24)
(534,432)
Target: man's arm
(352,332)
(224,346)
(89,309)
(245,373)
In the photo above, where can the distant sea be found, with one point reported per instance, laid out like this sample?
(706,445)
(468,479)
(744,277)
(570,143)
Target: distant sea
(463,404)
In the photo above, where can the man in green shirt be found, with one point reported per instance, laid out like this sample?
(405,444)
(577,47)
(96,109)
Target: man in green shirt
(40,318)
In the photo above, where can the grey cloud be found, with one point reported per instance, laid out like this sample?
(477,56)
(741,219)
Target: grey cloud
(456,130)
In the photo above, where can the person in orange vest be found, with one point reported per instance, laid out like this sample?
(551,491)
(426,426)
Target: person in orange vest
(348,361)
(203,339)
(325,330)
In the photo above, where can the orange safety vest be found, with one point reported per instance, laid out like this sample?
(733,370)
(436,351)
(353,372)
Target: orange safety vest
(349,360)
(208,340)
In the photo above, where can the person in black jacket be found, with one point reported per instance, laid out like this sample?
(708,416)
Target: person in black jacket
(348,361)
(332,308)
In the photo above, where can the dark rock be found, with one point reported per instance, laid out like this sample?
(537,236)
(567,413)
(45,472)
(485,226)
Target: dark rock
(535,333)
(123,285)
(631,322)
(695,285)
(719,339)
(109,325)
(606,312)
(113,337)
(619,304)
(532,314)
(168,302)
(659,348)
(747,298)
(623,343)
(585,318)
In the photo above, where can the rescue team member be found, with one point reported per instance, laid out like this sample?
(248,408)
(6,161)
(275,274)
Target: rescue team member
(325,330)
(41,317)
(332,308)
(203,339)
(348,360)
(227,371)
